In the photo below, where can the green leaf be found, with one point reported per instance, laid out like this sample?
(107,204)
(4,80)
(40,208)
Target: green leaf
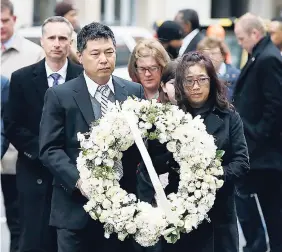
(219,153)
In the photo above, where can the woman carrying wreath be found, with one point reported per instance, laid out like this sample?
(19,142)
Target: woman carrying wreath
(199,92)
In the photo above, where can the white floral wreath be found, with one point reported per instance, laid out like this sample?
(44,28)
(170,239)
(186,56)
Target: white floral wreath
(192,147)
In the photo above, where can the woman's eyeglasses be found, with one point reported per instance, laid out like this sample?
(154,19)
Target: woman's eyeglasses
(189,82)
(152,69)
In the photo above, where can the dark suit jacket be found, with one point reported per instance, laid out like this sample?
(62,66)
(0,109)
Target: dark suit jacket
(4,100)
(22,118)
(67,111)
(226,127)
(194,42)
(258,99)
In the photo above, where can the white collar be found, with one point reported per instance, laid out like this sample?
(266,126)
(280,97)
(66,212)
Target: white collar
(62,71)
(10,42)
(92,85)
(187,40)
(222,69)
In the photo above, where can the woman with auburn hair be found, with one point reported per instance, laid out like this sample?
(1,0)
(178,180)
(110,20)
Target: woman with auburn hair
(199,92)
(146,65)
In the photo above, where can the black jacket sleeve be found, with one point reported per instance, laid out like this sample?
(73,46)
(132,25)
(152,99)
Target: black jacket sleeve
(51,142)
(23,139)
(238,160)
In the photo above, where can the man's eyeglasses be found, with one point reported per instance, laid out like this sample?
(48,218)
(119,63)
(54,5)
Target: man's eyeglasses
(142,70)
(201,81)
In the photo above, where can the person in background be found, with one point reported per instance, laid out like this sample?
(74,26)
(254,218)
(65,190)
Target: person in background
(145,190)
(16,52)
(188,19)
(258,100)
(146,65)
(170,35)
(275,31)
(217,31)
(22,118)
(4,100)
(215,49)
(67,10)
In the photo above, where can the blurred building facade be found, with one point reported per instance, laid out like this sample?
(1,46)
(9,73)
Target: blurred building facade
(143,12)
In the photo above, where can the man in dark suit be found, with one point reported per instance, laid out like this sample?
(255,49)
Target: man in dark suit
(22,118)
(258,99)
(69,109)
(189,21)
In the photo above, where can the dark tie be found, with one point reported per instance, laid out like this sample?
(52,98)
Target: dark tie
(56,78)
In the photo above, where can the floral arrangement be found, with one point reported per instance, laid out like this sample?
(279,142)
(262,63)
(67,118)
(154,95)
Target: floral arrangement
(193,149)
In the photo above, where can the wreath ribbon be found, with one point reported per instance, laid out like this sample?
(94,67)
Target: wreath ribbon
(162,200)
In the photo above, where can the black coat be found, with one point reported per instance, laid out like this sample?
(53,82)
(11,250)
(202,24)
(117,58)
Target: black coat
(22,118)
(194,43)
(67,111)
(221,234)
(258,100)
(34,182)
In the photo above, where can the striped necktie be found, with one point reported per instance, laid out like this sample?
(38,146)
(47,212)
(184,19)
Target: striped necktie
(104,92)
(102,95)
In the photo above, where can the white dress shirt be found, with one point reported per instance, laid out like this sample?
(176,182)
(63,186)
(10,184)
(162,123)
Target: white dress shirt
(92,85)
(62,72)
(187,40)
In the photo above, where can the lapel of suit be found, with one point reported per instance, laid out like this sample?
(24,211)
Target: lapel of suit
(213,123)
(82,98)
(244,71)
(72,71)
(251,62)
(40,79)
(120,91)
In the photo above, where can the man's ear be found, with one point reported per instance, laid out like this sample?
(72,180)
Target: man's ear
(79,55)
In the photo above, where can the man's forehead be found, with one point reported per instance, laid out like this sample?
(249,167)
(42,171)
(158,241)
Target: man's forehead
(6,11)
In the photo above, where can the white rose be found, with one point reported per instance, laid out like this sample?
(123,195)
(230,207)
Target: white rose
(198,194)
(191,189)
(219,183)
(106,204)
(98,161)
(200,173)
(122,236)
(171,146)
(119,226)
(109,162)
(205,186)
(148,125)
(198,184)
(131,228)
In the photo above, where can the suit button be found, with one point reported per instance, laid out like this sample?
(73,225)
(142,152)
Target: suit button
(39,181)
